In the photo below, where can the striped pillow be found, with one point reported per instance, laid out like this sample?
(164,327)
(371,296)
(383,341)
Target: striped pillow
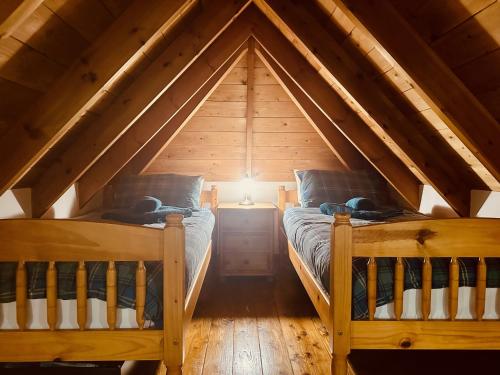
(171,189)
(339,186)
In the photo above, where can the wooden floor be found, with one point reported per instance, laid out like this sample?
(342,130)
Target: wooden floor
(253,326)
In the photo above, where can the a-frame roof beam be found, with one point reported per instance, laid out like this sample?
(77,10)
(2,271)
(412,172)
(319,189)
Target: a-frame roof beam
(162,110)
(302,74)
(336,141)
(131,103)
(10,22)
(161,140)
(436,160)
(434,80)
(83,84)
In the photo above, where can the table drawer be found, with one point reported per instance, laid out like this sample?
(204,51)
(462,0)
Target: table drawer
(247,221)
(247,242)
(246,263)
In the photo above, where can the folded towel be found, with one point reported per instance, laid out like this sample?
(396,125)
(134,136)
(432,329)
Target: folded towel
(328,208)
(158,216)
(360,203)
(146,204)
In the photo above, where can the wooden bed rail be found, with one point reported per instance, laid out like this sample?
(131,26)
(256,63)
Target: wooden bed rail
(80,241)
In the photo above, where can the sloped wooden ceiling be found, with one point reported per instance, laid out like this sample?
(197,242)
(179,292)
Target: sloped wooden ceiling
(89,70)
(247,104)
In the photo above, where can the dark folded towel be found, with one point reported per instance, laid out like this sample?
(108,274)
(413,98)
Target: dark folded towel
(158,216)
(360,203)
(331,208)
(147,204)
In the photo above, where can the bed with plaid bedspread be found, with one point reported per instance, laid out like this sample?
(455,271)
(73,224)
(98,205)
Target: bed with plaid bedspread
(199,229)
(309,232)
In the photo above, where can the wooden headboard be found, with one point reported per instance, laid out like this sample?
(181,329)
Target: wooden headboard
(206,197)
(285,197)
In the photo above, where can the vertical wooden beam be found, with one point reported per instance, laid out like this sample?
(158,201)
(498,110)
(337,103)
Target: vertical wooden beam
(341,291)
(111,294)
(9,24)
(453,288)
(173,293)
(250,103)
(480,288)
(81,295)
(21,295)
(140,293)
(426,288)
(372,287)
(399,280)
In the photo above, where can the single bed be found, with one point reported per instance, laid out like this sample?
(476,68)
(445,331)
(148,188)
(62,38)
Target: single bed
(111,282)
(330,254)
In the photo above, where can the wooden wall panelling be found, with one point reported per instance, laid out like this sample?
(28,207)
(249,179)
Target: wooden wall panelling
(90,18)
(163,109)
(131,104)
(337,110)
(434,81)
(25,66)
(116,7)
(475,37)
(14,13)
(444,176)
(81,86)
(45,32)
(433,19)
(345,152)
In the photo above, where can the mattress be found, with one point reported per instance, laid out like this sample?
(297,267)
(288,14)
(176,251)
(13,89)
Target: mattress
(309,232)
(198,228)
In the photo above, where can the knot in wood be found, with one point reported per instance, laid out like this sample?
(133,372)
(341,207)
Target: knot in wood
(405,343)
(423,235)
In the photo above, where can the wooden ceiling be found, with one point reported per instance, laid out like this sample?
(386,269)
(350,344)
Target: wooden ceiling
(94,88)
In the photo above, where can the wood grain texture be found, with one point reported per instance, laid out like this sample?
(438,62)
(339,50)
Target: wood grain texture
(338,112)
(124,111)
(12,21)
(59,109)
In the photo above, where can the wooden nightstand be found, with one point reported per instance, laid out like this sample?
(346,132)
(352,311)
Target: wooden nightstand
(247,238)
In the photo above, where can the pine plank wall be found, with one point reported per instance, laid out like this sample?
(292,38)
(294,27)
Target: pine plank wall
(213,143)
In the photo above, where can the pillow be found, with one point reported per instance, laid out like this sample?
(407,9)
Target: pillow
(171,189)
(339,186)
(360,203)
(147,204)
(298,179)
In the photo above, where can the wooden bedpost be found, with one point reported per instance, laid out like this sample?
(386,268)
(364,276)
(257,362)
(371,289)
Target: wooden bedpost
(173,293)
(213,199)
(281,201)
(341,291)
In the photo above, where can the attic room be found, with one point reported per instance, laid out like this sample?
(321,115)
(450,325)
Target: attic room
(249,186)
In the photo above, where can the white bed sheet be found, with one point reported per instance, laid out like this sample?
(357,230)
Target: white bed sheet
(66,312)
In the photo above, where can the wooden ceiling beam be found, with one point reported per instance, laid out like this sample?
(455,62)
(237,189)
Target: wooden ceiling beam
(10,22)
(301,76)
(336,141)
(143,159)
(445,93)
(131,103)
(435,160)
(128,145)
(84,83)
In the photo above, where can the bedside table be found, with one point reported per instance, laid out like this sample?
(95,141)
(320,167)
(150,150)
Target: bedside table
(247,238)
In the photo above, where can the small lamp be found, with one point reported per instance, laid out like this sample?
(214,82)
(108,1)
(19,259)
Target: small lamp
(247,184)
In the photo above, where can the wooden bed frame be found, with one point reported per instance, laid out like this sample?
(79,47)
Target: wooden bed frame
(53,241)
(427,239)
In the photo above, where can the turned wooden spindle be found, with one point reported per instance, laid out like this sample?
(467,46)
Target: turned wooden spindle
(140,293)
(51,277)
(81,295)
(399,271)
(453,288)
(111,294)
(372,287)
(480,288)
(21,294)
(426,288)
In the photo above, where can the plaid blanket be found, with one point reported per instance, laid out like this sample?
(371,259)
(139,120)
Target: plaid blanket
(309,232)
(198,234)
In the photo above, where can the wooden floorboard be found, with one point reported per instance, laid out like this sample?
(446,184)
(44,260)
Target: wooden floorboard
(254,326)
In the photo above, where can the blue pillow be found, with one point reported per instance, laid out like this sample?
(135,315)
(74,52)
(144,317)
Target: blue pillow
(360,204)
(146,204)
